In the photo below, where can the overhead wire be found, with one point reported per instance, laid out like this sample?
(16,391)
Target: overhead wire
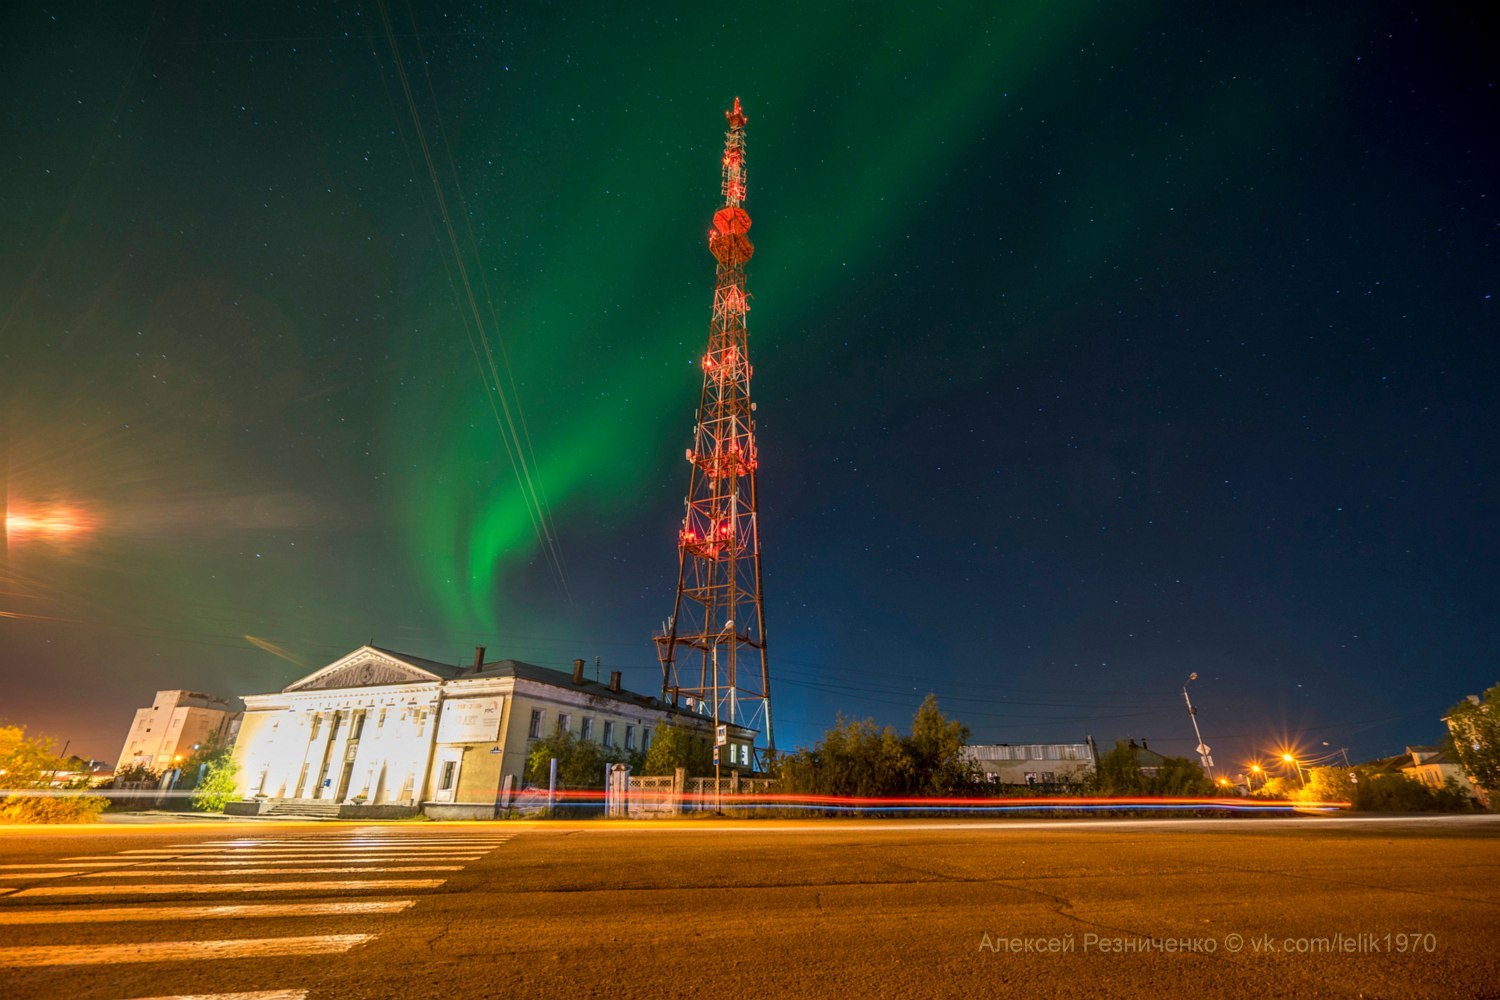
(479,340)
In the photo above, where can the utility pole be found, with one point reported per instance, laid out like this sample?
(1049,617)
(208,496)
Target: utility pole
(1203,748)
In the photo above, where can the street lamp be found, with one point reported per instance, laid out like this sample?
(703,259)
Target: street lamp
(1255,770)
(1289,759)
(718,795)
(1203,750)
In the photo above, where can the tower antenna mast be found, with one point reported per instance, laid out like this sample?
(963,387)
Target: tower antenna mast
(713,648)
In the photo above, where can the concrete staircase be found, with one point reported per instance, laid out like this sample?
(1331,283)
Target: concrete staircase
(304,808)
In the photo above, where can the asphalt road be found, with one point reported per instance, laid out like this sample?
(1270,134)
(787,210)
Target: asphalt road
(1300,907)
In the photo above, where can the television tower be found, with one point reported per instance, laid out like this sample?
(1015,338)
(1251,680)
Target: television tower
(713,648)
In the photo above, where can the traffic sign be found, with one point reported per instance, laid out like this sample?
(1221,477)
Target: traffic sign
(721,736)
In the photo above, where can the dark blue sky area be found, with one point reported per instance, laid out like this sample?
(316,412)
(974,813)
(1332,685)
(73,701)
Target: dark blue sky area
(1095,345)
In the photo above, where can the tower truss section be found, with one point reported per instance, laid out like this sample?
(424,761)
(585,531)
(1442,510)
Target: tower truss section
(713,648)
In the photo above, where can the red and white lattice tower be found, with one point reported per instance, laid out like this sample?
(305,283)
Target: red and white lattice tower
(713,649)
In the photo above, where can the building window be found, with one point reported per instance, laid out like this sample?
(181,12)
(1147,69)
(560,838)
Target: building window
(380,720)
(609,734)
(536,724)
(359,726)
(587,730)
(629,737)
(447,781)
(645,738)
(564,721)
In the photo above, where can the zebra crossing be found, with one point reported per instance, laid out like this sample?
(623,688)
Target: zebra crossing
(348,877)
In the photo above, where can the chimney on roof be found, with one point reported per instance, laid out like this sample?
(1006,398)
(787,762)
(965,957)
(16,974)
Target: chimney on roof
(614,681)
(1144,744)
(577,671)
(478,658)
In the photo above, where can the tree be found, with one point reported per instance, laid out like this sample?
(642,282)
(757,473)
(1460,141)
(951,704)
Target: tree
(1119,773)
(862,759)
(678,746)
(1183,778)
(936,752)
(1279,788)
(1329,784)
(218,785)
(855,757)
(25,762)
(29,764)
(1475,728)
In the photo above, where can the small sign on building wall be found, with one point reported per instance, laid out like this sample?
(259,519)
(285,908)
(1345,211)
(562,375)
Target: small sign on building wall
(470,720)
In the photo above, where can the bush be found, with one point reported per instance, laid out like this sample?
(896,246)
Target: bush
(580,762)
(52,808)
(863,759)
(1118,772)
(1388,792)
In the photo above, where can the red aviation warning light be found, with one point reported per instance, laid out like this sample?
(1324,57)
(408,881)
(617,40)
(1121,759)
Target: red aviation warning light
(713,649)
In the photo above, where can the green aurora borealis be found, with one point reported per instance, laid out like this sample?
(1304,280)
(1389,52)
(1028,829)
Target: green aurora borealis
(1093,343)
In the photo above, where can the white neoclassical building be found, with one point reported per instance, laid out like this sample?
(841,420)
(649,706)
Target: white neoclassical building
(382,728)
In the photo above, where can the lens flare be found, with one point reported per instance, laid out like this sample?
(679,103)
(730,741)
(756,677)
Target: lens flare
(53,523)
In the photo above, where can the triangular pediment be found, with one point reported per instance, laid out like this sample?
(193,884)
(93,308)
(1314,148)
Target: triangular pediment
(364,667)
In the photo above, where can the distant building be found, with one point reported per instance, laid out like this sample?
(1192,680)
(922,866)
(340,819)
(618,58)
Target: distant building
(1435,767)
(1150,761)
(176,722)
(1034,763)
(382,728)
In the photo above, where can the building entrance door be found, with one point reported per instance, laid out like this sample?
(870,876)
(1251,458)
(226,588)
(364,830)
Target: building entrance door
(449,762)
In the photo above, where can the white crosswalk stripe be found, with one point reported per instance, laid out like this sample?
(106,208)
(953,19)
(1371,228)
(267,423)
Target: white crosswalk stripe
(261,866)
(168,951)
(203,888)
(222,911)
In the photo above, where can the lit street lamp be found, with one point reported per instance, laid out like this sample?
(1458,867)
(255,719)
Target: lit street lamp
(1288,758)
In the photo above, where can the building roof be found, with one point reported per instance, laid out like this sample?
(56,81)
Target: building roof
(447,671)
(517,669)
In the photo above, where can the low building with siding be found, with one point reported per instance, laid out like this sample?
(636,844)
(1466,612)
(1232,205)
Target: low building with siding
(1034,763)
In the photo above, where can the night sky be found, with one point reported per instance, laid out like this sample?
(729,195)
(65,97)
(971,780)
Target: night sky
(1095,344)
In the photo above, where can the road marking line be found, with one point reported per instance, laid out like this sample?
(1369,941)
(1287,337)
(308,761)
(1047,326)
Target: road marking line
(156,872)
(353,852)
(270,856)
(200,887)
(225,911)
(331,842)
(43,874)
(175,951)
(335,849)
(260,995)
